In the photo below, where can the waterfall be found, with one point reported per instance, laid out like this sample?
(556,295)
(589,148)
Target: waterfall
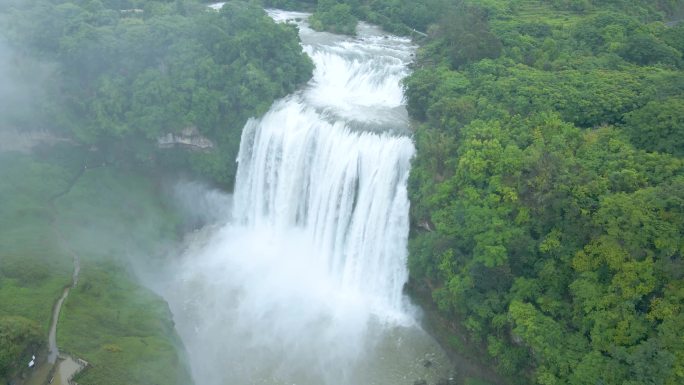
(301,165)
(346,191)
(303,283)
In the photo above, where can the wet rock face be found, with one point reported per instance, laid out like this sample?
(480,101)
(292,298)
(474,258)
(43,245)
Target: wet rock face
(25,140)
(447,381)
(189,137)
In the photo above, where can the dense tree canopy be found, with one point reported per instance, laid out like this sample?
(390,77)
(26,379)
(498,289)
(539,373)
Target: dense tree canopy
(549,185)
(334,16)
(130,71)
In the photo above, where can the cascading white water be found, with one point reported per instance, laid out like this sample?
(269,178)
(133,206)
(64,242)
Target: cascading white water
(303,283)
(345,190)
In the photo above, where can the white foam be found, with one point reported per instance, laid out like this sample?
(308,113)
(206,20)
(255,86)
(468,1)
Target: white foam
(305,280)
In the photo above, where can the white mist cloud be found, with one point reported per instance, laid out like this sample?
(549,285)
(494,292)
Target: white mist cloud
(200,204)
(23,84)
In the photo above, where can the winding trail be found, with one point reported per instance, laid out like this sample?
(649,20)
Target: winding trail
(60,368)
(53,350)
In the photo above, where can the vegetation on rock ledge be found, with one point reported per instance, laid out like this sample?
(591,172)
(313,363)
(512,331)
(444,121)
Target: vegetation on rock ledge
(128,72)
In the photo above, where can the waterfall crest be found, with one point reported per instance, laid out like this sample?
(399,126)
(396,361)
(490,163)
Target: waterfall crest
(303,283)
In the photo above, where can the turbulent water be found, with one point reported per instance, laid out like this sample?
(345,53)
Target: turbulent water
(302,282)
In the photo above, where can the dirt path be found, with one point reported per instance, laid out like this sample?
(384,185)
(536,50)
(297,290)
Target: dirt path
(68,366)
(53,350)
(59,368)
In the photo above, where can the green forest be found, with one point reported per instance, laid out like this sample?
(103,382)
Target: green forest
(547,193)
(548,188)
(119,74)
(106,79)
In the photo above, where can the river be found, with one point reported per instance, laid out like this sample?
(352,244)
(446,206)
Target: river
(301,282)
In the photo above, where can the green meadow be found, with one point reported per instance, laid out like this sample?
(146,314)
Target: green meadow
(56,203)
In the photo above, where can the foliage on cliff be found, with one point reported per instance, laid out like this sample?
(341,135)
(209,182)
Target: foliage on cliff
(334,16)
(549,185)
(130,71)
(19,338)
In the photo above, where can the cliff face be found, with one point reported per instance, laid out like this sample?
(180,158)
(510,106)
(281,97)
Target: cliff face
(25,140)
(189,137)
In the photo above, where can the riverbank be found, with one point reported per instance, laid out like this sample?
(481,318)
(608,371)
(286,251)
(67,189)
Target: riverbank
(470,362)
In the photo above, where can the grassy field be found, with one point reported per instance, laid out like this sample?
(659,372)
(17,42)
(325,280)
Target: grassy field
(33,267)
(106,216)
(123,330)
(110,214)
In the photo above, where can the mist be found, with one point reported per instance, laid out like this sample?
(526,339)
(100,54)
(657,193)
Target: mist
(257,304)
(26,86)
(297,278)
(199,203)
(23,95)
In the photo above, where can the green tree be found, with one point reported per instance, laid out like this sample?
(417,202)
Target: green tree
(658,126)
(19,337)
(334,16)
